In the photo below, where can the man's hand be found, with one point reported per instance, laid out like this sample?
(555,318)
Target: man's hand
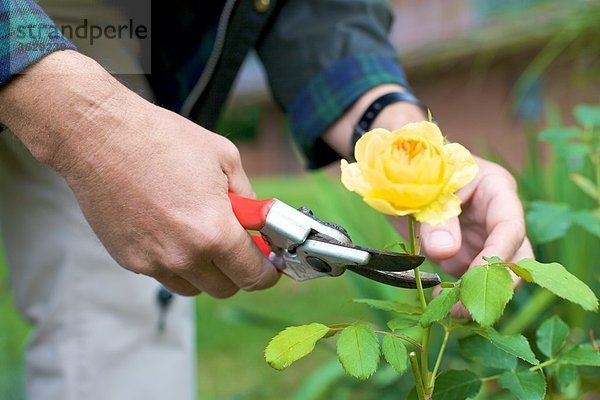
(491,222)
(153,185)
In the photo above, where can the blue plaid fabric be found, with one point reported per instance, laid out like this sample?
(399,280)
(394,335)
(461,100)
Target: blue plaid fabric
(26,35)
(329,94)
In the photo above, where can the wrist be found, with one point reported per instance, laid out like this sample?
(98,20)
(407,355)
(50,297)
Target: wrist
(62,106)
(395,115)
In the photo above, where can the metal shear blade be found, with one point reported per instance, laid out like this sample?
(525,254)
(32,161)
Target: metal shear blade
(310,248)
(325,254)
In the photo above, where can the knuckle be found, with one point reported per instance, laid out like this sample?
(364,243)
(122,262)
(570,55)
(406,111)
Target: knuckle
(230,151)
(251,283)
(187,291)
(138,264)
(520,228)
(174,260)
(254,282)
(506,176)
(210,240)
(225,293)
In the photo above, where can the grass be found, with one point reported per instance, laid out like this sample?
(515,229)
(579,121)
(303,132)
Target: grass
(232,333)
(13,335)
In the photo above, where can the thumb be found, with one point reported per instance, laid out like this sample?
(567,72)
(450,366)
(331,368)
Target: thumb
(441,241)
(240,184)
(237,179)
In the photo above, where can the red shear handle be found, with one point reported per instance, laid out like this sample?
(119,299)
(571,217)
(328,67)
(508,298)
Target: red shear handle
(262,245)
(252,214)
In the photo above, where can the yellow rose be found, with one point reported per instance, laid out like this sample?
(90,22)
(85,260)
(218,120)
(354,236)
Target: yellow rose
(410,171)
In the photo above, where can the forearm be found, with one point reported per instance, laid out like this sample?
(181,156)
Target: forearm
(64,103)
(395,115)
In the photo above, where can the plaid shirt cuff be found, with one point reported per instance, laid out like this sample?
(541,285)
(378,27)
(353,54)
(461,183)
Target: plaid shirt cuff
(329,94)
(27,34)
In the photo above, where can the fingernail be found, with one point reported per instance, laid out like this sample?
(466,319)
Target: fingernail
(441,239)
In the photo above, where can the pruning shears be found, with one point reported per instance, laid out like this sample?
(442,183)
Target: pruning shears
(304,247)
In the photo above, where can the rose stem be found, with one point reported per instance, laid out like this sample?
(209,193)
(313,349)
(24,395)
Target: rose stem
(425,340)
(417,375)
(438,362)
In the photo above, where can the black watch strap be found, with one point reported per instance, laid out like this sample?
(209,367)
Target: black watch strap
(365,122)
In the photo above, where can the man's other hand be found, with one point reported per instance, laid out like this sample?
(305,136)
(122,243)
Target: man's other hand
(153,185)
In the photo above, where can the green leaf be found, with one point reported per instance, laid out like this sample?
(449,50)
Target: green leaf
(293,343)
(388,305)
(482,351)
(403,322)
(588,221)
(574,153)
(587,186)
(587,115)
(566,375)
(440,306)
(358,351)
(456,385)
(559,135)
(484,291)
(493,260)
(449,285)
(395,353)
(525,385)
(547,221)
(517,345)
(584,354)
(551,335)
(558,280)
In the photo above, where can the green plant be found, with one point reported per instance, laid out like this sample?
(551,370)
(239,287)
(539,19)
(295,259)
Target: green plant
(484,290)
(562,207)
(572,147)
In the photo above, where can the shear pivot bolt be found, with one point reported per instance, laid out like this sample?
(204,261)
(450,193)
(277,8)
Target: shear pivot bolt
(318,264)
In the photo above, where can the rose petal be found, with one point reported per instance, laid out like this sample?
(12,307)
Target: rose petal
(411,196)
(461,165)
(425,129)
(426,168)
(439,211)
(353,179)
(371,143)
(385,207)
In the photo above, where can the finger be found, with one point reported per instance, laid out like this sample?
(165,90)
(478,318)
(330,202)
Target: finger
(177,285)
(460,311)
(441,241)
(505,225)
(240,260)
(525,251)
(240,184)
(204,277)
